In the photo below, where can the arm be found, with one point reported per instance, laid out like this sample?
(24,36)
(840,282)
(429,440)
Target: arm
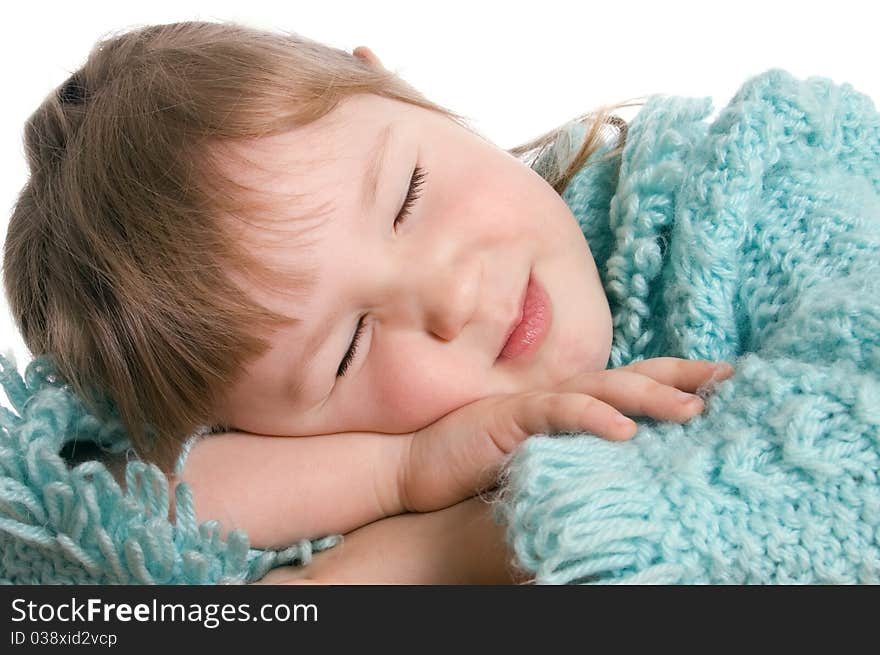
(281,489)
(456,545)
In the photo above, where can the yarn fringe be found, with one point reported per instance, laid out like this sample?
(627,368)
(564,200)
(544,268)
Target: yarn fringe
(76,525)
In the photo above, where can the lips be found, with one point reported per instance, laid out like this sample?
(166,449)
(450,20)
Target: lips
(517,319)
(536,316)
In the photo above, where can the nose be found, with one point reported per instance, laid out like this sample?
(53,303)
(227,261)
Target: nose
(452,298)
(443,297)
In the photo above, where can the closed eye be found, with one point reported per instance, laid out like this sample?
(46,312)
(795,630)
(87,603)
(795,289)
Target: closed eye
(352,349)
(415,184)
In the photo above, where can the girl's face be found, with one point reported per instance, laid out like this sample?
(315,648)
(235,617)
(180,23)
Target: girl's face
(437,292)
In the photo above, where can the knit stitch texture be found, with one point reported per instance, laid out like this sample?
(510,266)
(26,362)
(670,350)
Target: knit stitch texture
(753,239)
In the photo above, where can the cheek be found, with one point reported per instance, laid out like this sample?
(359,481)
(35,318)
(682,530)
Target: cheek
(418,384)
(588,334)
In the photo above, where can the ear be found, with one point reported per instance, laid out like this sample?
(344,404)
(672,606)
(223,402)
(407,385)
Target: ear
(363,52)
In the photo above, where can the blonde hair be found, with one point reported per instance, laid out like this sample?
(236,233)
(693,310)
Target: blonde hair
(116,264)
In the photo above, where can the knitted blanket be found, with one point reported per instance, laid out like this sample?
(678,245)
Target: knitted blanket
(753,238)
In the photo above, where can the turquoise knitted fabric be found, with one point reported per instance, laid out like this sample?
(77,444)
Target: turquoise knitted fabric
(752,238)
(62,524)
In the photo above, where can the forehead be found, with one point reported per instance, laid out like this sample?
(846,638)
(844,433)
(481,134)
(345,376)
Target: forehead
(307,158)
(280,182)
(291,183)
(307,173)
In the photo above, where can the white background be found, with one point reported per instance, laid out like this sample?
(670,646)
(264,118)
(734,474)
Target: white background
(516,69)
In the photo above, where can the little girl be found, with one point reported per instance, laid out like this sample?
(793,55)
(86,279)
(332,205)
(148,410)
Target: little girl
(445,307)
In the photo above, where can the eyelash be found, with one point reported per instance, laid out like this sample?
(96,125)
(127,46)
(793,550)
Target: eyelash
(412,195)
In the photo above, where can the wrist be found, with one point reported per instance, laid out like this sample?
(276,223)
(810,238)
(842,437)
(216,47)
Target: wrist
(403,457)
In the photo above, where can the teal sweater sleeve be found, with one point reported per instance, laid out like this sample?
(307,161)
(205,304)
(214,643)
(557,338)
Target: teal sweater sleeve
(753,239)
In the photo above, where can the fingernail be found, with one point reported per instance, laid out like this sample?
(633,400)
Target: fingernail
(620,419)
(684,398)
(723,368)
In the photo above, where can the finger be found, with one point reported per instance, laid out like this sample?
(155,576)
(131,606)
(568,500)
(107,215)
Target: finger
(635,394)
(685,374)
(523,415)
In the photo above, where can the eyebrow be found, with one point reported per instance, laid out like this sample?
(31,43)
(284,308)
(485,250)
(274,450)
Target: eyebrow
(369,192)
(374,170)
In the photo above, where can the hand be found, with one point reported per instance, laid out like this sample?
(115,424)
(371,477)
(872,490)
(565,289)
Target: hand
(461,453)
